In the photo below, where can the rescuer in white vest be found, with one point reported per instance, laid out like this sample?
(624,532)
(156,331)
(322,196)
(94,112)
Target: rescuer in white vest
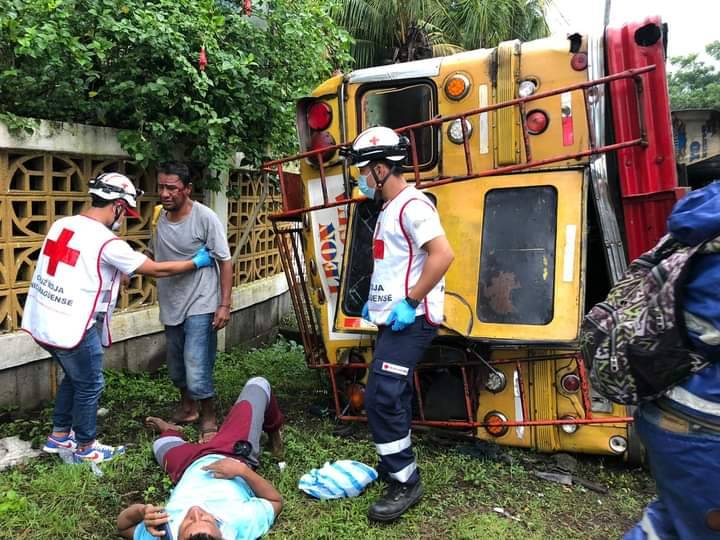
(411,255)
(70,303)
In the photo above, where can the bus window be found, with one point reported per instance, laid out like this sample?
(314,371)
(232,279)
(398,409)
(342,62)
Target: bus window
(358,265)
(517,258)
(360,261)
(396,107)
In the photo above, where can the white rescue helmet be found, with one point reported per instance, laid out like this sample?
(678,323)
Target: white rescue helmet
(112,186)
(377,144)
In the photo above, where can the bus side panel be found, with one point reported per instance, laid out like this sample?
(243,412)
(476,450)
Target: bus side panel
(648,179)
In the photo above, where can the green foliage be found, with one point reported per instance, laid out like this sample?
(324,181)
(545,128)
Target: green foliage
(18,126)
(47,500)
(11,502)
(133,65)
(381,28)
(694,83)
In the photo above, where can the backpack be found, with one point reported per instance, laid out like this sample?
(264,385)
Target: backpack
(635,342)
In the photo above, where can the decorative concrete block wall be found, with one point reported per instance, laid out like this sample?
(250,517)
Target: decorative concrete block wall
(44,177)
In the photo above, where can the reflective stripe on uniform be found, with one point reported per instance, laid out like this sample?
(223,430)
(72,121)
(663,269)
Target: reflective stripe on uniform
(684,397)
(706,331)
(393,447)
(648,528)
(403,475)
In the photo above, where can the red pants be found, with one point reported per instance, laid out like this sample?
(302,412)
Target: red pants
(255,411)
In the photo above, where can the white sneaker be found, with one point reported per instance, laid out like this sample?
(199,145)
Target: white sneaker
(98,452)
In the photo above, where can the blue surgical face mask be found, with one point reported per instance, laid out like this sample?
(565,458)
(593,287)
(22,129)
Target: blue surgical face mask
(364,188)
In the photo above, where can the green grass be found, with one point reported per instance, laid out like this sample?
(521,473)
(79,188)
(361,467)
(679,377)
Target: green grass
(48,500)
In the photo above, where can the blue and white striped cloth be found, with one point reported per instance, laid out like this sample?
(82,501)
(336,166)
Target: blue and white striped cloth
(344,478)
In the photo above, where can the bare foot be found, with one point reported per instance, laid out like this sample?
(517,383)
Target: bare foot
(161,425)
(207,435)
(183,416)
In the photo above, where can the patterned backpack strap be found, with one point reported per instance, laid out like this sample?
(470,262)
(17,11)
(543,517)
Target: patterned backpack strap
(633,341)
(665,247)
(711,246)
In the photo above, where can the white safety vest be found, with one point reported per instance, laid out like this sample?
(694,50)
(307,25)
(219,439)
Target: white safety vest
(398,258)
(69,286)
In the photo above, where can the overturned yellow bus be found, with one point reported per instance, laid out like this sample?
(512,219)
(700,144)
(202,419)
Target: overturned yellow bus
(551,163)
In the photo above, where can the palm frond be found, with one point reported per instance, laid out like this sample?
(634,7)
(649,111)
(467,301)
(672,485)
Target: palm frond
(450,25)
(445,49)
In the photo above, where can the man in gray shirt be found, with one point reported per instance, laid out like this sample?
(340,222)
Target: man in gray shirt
(195,306)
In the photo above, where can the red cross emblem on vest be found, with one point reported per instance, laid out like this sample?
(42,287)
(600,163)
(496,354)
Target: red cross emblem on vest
(58,251)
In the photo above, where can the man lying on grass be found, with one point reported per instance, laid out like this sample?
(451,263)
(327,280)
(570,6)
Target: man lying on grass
(218,494)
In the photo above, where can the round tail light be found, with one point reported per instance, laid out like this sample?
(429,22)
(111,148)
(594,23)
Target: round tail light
(321,140)
(569,428)
(536,121)
(319,116)
(570,383)
(494,423)
(579,61)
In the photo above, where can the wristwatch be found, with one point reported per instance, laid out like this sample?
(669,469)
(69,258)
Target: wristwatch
(412,302)
(242,449)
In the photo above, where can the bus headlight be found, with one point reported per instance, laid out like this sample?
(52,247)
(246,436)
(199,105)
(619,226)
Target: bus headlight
(618,444)
(496,382)
(526,88)
(455,131)
(569,428)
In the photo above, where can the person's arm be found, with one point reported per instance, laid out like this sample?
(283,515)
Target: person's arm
(164,269)
(217,244)
(120,255)
(154,517)
(170,268)
(129,519)
(222,313)
(440,257)
(230,468)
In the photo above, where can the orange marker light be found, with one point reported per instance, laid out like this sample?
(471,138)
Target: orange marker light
(356,395)
(494,421)
(457,86)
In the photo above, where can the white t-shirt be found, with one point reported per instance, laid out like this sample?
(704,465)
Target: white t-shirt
(117,255)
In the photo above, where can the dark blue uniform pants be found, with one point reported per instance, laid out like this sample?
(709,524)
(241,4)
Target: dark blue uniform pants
(685,462)
(389,395)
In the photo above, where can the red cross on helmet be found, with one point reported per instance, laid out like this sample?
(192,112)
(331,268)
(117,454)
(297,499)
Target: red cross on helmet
(377,144)
(112,186)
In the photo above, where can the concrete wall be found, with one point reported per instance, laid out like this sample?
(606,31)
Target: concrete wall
(27,385)
(46,174)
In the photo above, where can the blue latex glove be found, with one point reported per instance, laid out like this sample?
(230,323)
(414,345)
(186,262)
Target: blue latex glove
(365,312)
(202,258)
(401,316)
